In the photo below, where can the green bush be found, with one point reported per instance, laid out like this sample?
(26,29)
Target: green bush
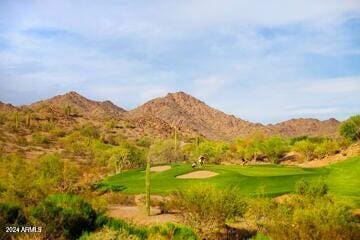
(213,151)
(350,129)
(65,216)
(250,147)
(171,231)
(117,224)
(18,178)
(306,148)
(10,215)
(311,214)
(326,148)
(315,189)
(274,148)
(207,209)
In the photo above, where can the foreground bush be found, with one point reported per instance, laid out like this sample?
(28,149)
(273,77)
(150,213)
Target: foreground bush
(64,216)
(171,231)
(109,234)
(10,214)
(207,209)
(119,230)
(311,214)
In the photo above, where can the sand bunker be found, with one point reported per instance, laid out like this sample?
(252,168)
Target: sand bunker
(160,168)
(198,174)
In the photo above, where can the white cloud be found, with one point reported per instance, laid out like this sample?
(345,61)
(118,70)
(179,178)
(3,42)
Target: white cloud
(130,51)
(335,85)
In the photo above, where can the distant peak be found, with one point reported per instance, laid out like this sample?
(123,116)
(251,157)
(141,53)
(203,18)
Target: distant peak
(72,93)
(180,93)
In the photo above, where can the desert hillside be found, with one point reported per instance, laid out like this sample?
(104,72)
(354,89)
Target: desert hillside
(81,106)
(159,116)
(184,111)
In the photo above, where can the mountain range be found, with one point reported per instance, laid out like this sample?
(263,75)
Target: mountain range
(182,111)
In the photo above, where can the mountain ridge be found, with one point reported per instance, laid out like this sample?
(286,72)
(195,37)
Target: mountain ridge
(184,112)
(81,105)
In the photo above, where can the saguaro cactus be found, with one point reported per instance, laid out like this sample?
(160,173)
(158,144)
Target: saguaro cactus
(175,140)
(28,119)
(16,120)
(147,186)
(68,111)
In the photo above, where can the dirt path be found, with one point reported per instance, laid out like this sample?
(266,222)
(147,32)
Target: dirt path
(137,214)
(198,175)
(160,168)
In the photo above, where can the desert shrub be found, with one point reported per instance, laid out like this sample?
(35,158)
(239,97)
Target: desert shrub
(311,215)
(89,130)
(144,142)
(164,152)
(57,132)
(118,198)
(107,233)
(306,148)
(110,124)
(314,189)
(207,208)
(171,231)
(117,224)
(350,129)
(64,216)
(118,229)
(19,181)
(76,143)
(274,148)
(39,138)
(10,215)
(54,174)
(326,148)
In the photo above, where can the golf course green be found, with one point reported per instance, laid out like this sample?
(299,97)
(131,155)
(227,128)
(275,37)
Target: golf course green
(343,179)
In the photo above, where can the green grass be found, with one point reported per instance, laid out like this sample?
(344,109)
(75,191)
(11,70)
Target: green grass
(343,179)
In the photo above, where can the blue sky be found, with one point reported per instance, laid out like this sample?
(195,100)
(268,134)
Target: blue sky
(261,62)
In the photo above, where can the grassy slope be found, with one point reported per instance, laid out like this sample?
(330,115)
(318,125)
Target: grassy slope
(343,178)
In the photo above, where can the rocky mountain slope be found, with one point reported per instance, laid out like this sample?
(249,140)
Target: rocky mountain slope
(7,107)
(159,116)
(80,106)
(305,126)
(188,113)
(184,111)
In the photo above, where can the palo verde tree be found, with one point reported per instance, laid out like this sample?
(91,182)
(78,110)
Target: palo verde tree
(350,129)
(119,158)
